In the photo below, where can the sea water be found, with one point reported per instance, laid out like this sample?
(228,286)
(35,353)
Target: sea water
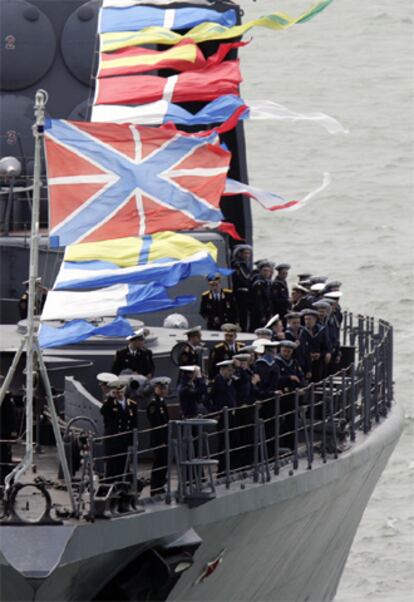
(354,61)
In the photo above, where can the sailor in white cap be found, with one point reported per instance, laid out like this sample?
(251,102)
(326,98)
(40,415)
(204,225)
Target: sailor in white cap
(242,266)
(120,416)
(223,394)
(280,291)
(276,326)
(316,338)
(300,297)
(218,304)
(225,349)
(103,379)
(293,333)
(158,417)
(260,296)
(192,392)
(135,356)
(334,327)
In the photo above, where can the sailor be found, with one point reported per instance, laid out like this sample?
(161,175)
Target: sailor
(7,433)
(256,270)
(267,386)
(334,325)
(192,392)
(190,353)
(264,333)
(242,266)
(135,356)
(276,326)
(158,417)
(301,352)
(223,394)
(280,291)
(104,378)
(300,298)
(260,296)
(120,416)
(315,337)
(245,382)
(290,378)
(40,299)
(224,350)
(316,291)
(218,304)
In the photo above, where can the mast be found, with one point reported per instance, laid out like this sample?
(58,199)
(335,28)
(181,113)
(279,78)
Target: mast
(30,342)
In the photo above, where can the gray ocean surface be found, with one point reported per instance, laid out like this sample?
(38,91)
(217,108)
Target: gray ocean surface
(354,61)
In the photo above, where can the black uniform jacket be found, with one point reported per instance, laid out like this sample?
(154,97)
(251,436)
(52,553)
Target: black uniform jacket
(280,297)
(193,397)
(220,353)
(317,340)
(118,419)
(241,276)
(268,371)
(223,393)
(157,412)
(286,370)
(140,361)
(301,353)
(246,391)
(260,302)
(218,311)
(188,356)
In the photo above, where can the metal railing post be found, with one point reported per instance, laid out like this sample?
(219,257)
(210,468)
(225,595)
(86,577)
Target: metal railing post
(296,434)
(91,483)
(361,338)
(352,434)
(256,443)
(277,433)
(312,421)
(332,407)
(345,328)
(227,444)
(366,394)
(135,464)
(323,448)
(376,383)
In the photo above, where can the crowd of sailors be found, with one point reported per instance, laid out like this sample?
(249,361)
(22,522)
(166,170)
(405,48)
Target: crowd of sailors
(295,342)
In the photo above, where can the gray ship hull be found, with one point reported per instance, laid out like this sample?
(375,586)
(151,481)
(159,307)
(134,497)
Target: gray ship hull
(284,540)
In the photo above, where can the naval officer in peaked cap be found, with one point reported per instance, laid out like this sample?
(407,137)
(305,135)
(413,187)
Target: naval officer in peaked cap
(119,416)
(158,417)
(135,356)
(190,353)
(225,349)
(218,304)
(242,266)
(260,296)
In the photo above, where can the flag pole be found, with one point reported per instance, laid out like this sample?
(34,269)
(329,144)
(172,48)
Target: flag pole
(31,340)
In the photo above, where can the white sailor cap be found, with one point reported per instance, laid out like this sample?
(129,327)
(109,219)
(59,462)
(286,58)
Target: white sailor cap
(141,333)
(263,333)
(189,368)
(265,343)
(242,357)
(106,377)
(321,304)
(317,287)
(289,344)
(333,295)
(299,287)
(164,381)
(118,383)
(272,320)
(224,363)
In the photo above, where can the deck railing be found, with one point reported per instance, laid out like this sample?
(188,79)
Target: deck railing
(252,442)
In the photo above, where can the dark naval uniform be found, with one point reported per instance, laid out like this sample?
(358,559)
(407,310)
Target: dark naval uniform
(301,354)
(260,303)
(219,353)
(139,361)
(223,394)
(217,309)
(267,368)
(157,413)
(118,419)
(246,393)
(241,286)
(189,356)
(287,400)
(193,396)
(317,341)
(280,297)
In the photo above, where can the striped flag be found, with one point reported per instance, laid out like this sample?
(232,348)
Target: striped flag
(185,56)
(205,31)
(201,85)
(138,17)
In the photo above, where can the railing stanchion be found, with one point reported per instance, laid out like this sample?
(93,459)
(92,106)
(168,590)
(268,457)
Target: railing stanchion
(332,408)
(277,433)
(376,383)
(353,400)
(312,421)
(135,464)
(227,444)
(323,448)
(296,433)
(256,444)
